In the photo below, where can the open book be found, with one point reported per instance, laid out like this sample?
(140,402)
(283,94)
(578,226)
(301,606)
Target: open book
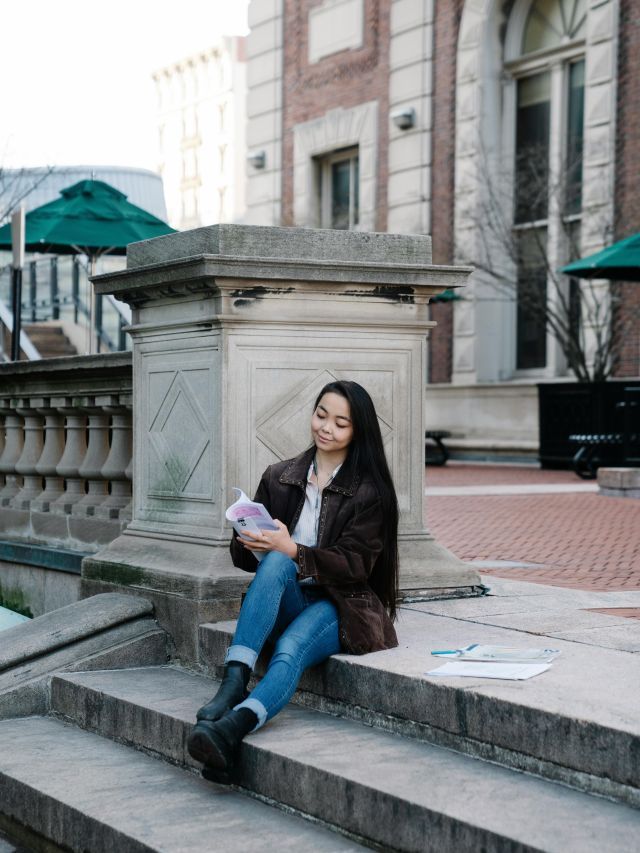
(245,514)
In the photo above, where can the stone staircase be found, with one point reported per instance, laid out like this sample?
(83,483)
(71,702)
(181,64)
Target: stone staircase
(49,339)
(372,754)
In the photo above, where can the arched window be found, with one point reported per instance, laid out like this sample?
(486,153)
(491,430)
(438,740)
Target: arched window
(544,64)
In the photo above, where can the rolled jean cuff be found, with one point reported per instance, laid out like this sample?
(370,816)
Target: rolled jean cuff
(258,709)
(241,654)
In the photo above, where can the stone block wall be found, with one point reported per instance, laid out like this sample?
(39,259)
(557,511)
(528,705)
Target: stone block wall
(446,25)
(346,80)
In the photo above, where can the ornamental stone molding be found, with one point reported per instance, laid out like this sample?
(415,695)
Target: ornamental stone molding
(338,128)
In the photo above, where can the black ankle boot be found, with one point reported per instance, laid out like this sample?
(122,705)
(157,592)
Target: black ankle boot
(232,691)
(216,744)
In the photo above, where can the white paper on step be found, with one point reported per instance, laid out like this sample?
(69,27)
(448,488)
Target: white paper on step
(471,669)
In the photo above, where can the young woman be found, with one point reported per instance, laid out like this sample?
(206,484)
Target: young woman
(326,580)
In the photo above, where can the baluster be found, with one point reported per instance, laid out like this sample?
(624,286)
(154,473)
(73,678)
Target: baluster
(75,450)
(51,456)
(126,513)
(115,467)
(14,443)
(31,453)
(91,467)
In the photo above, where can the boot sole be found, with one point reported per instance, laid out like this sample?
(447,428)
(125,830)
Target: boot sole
(204,749)
(220,777)
(218,713)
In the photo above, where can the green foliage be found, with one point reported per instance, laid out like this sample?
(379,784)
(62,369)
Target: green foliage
(13,599)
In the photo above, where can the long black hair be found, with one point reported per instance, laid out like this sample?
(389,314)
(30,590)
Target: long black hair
(366,456)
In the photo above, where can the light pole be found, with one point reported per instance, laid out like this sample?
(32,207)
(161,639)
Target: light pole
(17,244)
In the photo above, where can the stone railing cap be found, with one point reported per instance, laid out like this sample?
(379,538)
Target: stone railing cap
(69,624)
(259,241)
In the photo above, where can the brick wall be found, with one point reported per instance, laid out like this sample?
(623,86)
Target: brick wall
(627,184)
(345,79)
(447,22)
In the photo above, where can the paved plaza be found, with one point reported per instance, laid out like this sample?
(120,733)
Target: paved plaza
(526,524)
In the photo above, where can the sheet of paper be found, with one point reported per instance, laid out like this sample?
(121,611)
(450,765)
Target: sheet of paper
(471,669)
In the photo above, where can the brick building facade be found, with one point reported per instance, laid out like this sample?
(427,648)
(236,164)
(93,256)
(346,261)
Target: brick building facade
(416,116)
(627,186)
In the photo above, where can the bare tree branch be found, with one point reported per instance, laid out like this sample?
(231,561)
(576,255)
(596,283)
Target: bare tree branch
(583,316)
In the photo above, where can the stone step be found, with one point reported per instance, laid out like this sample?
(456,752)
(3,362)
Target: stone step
(396,792)
(50,341)
(107,631)
(87,793)
(555,725)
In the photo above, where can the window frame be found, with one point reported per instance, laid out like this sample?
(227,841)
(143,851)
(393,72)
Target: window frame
(325,199)
(557,61)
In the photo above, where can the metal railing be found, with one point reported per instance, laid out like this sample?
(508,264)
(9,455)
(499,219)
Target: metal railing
(57,288)
(6,332)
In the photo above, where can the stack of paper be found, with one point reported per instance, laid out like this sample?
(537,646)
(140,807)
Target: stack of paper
(506,662)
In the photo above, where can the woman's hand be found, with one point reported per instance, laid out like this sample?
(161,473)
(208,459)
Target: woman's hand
(270,540)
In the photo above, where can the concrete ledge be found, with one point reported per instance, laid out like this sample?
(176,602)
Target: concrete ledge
(555,725)
(58,559)
(24,689)
(67,625)
(619,482)
(108,631)
(396,792)
(85,793)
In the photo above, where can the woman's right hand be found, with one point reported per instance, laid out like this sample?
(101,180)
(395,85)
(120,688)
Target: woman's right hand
(270,540)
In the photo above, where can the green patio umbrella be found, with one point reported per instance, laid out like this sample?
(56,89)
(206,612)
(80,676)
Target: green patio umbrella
(90,218)
(620,262)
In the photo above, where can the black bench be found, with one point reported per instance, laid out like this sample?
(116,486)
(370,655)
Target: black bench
(435,453)
(612,448)
(595,450)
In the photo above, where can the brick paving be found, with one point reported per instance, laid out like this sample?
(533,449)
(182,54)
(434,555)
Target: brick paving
(627,612)
(576,540)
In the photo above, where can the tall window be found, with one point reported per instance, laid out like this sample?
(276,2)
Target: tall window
(339,179)
(548,74)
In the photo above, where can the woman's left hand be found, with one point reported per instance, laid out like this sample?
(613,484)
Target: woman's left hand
(270,540)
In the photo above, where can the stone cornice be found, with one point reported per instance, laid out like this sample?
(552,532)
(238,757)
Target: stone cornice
(202,273)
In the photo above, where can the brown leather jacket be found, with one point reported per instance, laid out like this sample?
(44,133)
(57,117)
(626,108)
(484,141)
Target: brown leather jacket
(349,542)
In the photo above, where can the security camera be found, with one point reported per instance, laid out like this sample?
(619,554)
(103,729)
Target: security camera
(404,119)
(257,159)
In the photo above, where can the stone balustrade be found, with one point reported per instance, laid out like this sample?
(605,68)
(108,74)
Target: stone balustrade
(65,451)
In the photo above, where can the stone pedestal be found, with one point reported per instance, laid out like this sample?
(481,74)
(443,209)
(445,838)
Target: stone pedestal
(235,330)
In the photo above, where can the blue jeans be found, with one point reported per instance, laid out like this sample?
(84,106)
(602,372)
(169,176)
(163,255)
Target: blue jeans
(305,624)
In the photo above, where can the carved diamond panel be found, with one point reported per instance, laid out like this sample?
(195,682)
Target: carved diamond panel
(280,429)
(179,437)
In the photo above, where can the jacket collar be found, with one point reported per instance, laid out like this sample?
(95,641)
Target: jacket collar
(295,474)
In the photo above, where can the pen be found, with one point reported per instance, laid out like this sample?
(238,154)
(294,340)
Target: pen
(455,652)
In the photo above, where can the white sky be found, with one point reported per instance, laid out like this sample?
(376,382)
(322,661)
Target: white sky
(77,86)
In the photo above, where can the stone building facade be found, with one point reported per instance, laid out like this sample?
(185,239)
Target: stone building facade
(201,135)
(489,124)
